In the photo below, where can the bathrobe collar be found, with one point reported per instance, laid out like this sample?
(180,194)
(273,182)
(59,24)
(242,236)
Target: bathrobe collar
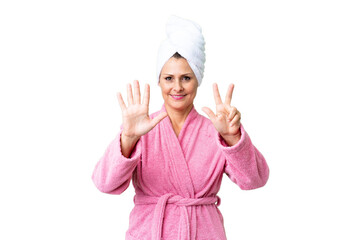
(179,166)
(193,114)
(175,147)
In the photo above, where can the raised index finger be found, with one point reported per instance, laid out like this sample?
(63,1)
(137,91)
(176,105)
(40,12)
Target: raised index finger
(216,94)
(229,94)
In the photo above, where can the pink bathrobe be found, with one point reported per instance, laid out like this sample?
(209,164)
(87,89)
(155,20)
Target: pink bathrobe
(176,179)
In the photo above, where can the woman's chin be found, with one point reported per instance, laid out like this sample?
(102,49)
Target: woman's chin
(178,105)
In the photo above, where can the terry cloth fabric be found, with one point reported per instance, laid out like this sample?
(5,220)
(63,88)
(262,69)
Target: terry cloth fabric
(177,178)
(185,37)
(170,198)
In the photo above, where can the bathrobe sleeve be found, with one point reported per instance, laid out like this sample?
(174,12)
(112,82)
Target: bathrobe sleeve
(244,164)
(113,172)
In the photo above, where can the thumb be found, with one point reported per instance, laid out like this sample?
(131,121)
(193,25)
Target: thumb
(210,113)
(158,118)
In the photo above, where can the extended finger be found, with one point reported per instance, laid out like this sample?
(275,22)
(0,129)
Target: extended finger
(210,113)
(146,97)
(137,92)
(158,118)
(216,94)
(129,94)
(229,94)
(121,101)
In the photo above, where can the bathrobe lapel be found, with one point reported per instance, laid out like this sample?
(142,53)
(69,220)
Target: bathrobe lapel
(180,169)
(176,155)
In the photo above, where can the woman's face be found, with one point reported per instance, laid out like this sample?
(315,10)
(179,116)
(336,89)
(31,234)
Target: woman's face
(178,84)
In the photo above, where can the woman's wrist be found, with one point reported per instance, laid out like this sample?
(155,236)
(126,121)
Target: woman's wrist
(232,139)
(131,138)
(127,144)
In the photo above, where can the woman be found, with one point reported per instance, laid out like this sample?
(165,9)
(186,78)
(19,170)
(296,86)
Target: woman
(177,157)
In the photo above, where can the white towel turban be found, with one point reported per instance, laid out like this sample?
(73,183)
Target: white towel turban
(185,37)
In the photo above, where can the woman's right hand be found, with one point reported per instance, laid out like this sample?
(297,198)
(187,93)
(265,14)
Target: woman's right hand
(136,120)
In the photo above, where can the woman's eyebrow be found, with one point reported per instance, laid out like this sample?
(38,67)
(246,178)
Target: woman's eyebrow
(172,75)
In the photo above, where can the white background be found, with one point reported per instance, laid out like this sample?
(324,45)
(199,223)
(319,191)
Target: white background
(295,66)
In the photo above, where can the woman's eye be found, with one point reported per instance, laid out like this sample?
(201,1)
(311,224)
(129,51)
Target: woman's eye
(168,78)
(187,78)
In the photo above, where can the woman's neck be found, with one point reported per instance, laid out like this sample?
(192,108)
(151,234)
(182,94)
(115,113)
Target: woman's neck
(177,117)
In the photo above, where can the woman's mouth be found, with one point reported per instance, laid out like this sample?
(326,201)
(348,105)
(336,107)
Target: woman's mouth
(178,97)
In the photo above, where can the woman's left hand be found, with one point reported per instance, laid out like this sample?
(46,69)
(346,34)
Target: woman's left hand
(227,117)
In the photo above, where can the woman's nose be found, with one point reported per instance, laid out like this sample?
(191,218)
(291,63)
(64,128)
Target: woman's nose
(178,85)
